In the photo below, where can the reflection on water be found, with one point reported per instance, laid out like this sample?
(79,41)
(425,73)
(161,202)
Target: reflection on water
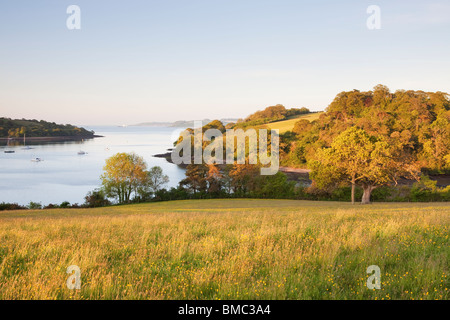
(65,175)
(20,143)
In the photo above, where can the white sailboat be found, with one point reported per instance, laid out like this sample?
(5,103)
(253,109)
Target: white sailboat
(8,150)
(25,147)
(81,152)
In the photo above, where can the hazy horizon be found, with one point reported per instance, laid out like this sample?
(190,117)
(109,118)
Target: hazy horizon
(153,61)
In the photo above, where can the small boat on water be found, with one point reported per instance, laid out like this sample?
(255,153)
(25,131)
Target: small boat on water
(37,159)
(25,147)
(81,152)
(8,150)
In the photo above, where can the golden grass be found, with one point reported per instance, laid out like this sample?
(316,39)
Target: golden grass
(288,125)
(227,249)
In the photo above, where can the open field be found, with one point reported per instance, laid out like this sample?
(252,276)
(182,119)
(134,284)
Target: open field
(227,249)
(287,125)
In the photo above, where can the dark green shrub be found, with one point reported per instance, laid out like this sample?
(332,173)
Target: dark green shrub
(65,204)
(11,206)
(34,205)
(96,198)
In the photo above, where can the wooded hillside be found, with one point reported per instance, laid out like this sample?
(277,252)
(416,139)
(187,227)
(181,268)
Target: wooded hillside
(35,128)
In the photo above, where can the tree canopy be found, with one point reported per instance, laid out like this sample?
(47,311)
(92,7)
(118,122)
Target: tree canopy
(375,137)
(271,114)
(125,174)
(361,159)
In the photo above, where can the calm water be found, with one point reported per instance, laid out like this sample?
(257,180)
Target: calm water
(63,175)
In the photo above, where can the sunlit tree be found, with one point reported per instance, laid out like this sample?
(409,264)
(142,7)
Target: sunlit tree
(361,160)
(124,174)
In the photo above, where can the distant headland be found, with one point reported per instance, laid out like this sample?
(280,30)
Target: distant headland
(182,123)
(40,130)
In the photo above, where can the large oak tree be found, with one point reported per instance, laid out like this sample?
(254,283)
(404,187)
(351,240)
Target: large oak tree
(364,160)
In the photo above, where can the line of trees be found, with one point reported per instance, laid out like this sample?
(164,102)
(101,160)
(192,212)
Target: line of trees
(270,114)
(125,179)
(238,180)
(206,181)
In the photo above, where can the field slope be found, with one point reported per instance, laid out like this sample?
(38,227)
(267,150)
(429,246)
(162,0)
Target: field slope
(227,249)
(288,125)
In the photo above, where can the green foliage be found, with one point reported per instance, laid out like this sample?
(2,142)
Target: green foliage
(207,181)
(407,131)
(196,178)
(96,198)
(11,206)
(124,174)
(34,205)
(296,157)
(274,187)
(400,193)
(51,206)
(417,121)
(215,124)
(179,193)
(302,126)
(65,204)
(270,114)
(426,190)
(360,159)
(154,182)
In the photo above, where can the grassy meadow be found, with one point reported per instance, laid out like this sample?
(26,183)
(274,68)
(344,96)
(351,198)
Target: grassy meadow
(288,125)
(227,249)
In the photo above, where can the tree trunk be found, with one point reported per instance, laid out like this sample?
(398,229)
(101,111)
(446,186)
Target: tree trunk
(119,192)
(366,195)
(353,192)
(353,181)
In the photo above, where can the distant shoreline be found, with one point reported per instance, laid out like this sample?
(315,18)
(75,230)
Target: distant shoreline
(292,173)
(55,138)
(181,123)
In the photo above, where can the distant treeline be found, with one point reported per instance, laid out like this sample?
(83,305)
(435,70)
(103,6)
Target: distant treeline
(16,128)
(207,182)
(270,114)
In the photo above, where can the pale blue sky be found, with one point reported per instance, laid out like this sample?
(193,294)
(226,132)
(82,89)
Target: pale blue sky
(135,61)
